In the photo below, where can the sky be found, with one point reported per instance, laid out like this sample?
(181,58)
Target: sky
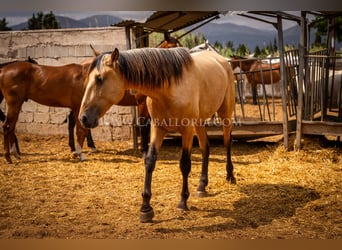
(14,18)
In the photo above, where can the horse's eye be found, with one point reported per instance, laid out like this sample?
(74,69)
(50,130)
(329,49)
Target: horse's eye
(98,79)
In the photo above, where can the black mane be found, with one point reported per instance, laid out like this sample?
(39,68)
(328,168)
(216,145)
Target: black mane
(151,67)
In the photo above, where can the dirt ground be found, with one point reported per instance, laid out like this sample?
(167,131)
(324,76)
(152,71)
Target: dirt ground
(278,195)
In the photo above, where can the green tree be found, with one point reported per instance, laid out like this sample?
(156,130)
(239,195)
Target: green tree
(257,51)
(50,21)
(43,21)
(192,39)
(230,45)
(275,46)
(3,25)
(242,50)
(218,45)
(321,24)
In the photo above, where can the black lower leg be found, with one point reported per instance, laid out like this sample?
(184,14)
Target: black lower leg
(229,167)
(16,144)
(204,173)
(185,166)
(145,132)
(150,162)
(71,126)
(90,141)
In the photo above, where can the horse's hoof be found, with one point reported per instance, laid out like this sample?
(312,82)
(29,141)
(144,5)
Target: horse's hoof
(146,216)
(201,193)
(74,155)
(94,150)
(8,159)
(232,180)
(183,207)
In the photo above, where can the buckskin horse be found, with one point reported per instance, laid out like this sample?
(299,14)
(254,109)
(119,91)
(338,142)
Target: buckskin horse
(131,99)
(182,90)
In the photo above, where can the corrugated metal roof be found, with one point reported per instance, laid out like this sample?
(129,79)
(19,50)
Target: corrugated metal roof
(170,21)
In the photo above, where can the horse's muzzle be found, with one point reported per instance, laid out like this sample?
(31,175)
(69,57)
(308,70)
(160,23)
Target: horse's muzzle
(87,121)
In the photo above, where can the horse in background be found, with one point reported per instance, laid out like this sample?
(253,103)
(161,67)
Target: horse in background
(15,147)
(57,86)
(257,72)
(174,81)
(169,42)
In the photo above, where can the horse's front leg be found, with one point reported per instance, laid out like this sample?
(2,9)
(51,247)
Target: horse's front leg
(157,135)
(81,134)
(71,126)
(90,142)
(185,165)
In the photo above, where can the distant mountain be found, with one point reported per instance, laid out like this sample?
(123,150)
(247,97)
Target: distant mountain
(221,32)
(20,26)
(224,32)
(67,22)
(100,20)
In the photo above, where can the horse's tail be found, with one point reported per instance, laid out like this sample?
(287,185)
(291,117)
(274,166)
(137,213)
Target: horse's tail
(231,80)
(2,115)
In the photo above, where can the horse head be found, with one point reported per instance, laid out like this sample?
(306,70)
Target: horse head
(169,42)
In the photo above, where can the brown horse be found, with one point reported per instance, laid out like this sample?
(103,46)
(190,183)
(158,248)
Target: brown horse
(257,72)
(58,86)
(169,42)
(183,90)
(15,149)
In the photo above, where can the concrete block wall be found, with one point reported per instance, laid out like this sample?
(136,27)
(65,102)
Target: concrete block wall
(59,47)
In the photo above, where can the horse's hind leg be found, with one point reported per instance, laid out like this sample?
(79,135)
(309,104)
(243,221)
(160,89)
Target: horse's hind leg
(228,143)
(204,146)
(9,127)
(185,165)
(15,147)
(225,113)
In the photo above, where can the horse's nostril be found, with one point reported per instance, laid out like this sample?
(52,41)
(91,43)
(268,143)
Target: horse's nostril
(84,119)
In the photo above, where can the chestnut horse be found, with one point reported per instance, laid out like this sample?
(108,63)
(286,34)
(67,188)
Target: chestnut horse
(182,90)
(58,86)
(16,149)
(257,72)
(169,42)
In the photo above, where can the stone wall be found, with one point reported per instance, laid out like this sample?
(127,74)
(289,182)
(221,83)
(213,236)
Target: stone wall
(59,47)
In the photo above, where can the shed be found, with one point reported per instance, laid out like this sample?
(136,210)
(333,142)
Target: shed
(171,21)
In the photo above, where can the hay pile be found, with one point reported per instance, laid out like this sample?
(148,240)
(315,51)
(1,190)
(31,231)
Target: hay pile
(48,194)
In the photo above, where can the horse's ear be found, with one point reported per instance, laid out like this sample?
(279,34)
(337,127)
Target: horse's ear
(96,53)
(167,36)
(115,55)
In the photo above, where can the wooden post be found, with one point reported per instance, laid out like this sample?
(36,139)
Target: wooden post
(301,58)
(133,108)
(283,81)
